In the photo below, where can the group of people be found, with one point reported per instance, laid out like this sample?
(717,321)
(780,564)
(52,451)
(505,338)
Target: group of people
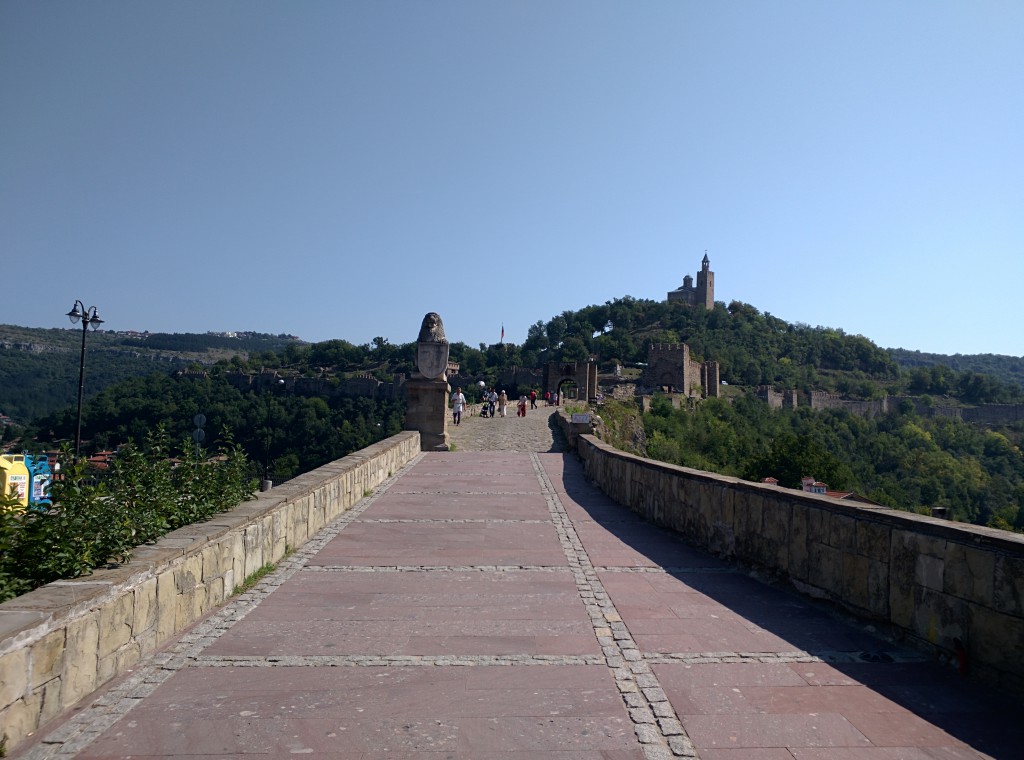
(494,403)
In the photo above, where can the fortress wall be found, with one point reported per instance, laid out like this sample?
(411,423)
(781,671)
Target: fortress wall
(66,639)
(994,414)
(932,581)
(770,396)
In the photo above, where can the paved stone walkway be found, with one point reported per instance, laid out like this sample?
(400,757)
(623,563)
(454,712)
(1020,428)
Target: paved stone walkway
(492,605)
(534,432)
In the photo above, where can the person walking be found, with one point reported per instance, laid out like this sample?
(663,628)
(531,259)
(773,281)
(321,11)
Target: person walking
(533,399)
(522,406)
(492,400)
(458,404)
(502,403)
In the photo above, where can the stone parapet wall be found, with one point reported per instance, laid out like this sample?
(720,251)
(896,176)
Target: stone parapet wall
(934,582)
(64,640)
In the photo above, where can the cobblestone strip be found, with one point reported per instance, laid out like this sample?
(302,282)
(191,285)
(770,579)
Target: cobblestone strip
(114,703)
(656,724)
(705,658)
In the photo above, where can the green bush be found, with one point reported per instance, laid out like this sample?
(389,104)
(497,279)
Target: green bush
(92,524)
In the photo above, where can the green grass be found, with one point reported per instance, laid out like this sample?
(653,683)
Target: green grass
(256,576)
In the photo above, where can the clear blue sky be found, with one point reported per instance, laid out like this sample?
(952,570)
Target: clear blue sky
(338,169)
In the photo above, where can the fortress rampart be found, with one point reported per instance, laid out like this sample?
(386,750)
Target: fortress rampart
(66,639)
(670,365)
(937,584)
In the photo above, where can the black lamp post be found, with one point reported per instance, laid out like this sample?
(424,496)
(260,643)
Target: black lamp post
(89,318)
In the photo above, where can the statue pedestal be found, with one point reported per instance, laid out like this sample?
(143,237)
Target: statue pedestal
(427,411)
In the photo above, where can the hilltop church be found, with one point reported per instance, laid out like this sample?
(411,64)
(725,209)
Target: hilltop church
(704,292)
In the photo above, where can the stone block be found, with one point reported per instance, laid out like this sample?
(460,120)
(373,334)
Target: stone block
(14,685)
(928,546)
(929,572)
(115,624)
(902,561)
(145,607)
(818,530)
(878,589)
(969,573)
(82,646)
(825,568)
(855,587)
(253,558)
(873,540)
(190,607)
(127,657)
(799,558)
(16,622)
(213,560)
(166,604)
(47,656)
(1008,584)
(20,719)
(997,638)
(215,593)
(843,533)
(939,618)
(147,642)
(50,702)
(280,538)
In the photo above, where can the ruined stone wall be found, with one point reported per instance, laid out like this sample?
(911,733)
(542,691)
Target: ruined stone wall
(994,414)
(931,581)
(622,390)
(64,640)
(770,396)
(667,365)
(710,380)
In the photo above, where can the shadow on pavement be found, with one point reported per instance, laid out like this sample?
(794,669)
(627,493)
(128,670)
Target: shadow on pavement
(985,719)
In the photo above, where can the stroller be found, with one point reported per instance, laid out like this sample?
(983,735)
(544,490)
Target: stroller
(485,408)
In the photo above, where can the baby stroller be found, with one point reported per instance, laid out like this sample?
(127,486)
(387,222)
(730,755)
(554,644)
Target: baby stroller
(485,409)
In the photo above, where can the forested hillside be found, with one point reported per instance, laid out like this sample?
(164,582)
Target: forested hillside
(284,433)
(1009,369)
(39,367)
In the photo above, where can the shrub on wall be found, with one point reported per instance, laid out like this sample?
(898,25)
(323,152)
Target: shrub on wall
(92,524)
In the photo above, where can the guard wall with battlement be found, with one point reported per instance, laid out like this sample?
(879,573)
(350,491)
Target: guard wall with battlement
(669,365)
(932,582)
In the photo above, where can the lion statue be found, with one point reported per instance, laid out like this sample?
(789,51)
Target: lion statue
(432,330)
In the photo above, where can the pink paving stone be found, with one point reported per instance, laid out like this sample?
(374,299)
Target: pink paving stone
(401,711)
(804,699)
(747,753)
(440,544)
(478,462)
(710,636)
(421,613)
(437,484)
(898,728)
(726,675)
(500,506)
(878,753)
(760,730)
